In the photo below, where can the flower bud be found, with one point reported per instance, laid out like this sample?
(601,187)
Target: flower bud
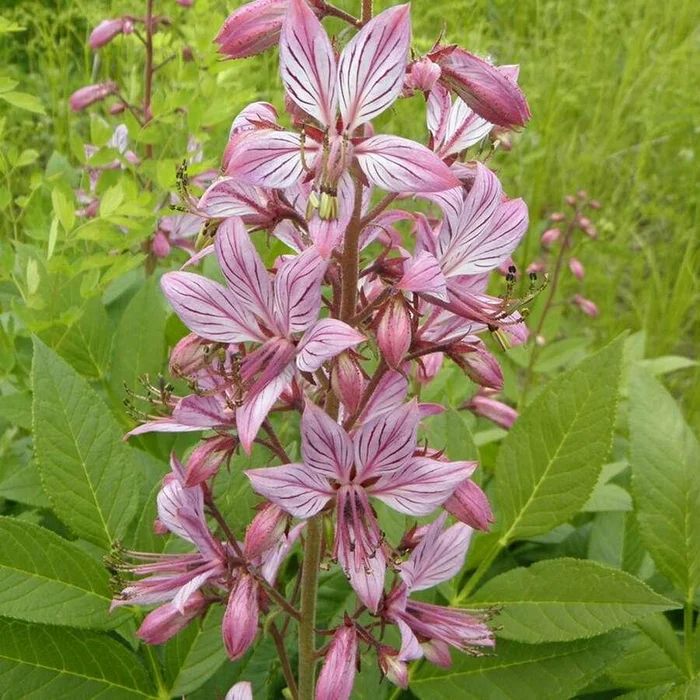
(422,75)
(242,690)
(90,94)
(483,368)
(470,505)
(347,381)
(437,652)
(392,667)
(495,411)
(265,530)
(106,30)
(160,245)
(594,204)
(207,457)
(117,108)
(428,367)
(166,621)
(185,3)
(252,29)
(582,194)
(557,217)
(570,200)
(550,236)
(586,305)
(187,54)
(189,355)
(394,331)
(338,673)
(537,267)
(240,623)
(576,268)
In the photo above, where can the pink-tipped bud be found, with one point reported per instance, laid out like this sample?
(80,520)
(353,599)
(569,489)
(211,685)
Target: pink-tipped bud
(189,355)
(495,411)
(160,245)
(557,217)
(537,267)
(483,368)
(550,236)
(394,331)
(347,381)
(428,366)
(582,194)
(470,505)
(185,3)
(159,527)
(106,30)
(187,54)
(570,200)
(242,690)
(252,29)
(485,88)
(117,108)
(240,623)
(395,670)
(422,75)
(576,268)
(594,204)
(207,457)
(88,95)
(265,530)
(338,673)
(166,621)
(586,305)
(584,222)
(411,538)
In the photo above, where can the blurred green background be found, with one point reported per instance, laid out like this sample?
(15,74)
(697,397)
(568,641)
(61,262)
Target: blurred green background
(612,88)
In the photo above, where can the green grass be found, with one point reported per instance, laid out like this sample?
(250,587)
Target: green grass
(615,111)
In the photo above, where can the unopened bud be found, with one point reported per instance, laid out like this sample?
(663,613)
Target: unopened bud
(570,200)
(117,108)
(557,216)
(576,268)
(265,530)
(550,236)
(347,381)
(88,95)
(392,667)
(586,305)
(394,331)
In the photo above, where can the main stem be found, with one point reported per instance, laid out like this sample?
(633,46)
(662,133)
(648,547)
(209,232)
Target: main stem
(148,72)
(307,623)
(688,636)
(350,269)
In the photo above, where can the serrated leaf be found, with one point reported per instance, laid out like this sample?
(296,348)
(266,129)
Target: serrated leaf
(87,472)
(564,599)
(139,345)
(110,200)
(551,458)
(665,460)
(615,541)
(45,579)
(17,409)
(520,671)
(57,662)
(607,497)
(195,654)
(685,691)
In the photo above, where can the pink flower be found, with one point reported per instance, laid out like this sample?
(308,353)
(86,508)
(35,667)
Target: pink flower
(438,557)
(242,690)
(576,268)
(422,75)
(469,504)
(338,673)
(90,94)
(254,309)
(240,623)
(166,621)
(347,381)
(586,305)
(394,332)
(550,236)
(377,461)
(106,30)
(362,84)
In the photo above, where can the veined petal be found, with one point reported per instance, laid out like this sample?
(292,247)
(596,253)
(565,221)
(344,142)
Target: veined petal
(256,115)
(225,197)
(324,340)
(250,416)
(385,444)
(162,425)
(422,485)
(476,220)
(389,395)
(295,488)
(438,557)
(399,165)
(243,269)
(307,63)
(252,28)
(298,291)
(242,690)
(338,673)
(367,580)
(183,596)
(202,411)
(240,624)
(509,225)
(372,67)
(208,309)
(267,158)
(463,129)
(422,273)
(325,446)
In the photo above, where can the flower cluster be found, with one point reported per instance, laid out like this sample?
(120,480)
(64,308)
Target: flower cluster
(390,246)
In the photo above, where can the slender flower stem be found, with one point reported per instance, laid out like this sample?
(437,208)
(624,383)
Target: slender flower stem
(275,443)
(381,370)
(548,305)
(284,660)
(688,637)
(309,584)
(333,11)
(350,263)
(480,572)
(148,71)
(367,6)
(364,313)
(378,208)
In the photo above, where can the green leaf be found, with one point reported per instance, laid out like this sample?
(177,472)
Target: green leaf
(551,458)
(44,578)
(139,345)
(615,541)
(686,691)
(64,208)
(195,654)
(564,599)
(607,497)
(56,662)
(666,364)
(665,459)
(87,472)
(27,157)
(23,101)
(17,409)
(520,671)
(110,200)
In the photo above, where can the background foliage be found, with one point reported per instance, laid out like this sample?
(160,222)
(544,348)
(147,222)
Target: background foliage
(596,488)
